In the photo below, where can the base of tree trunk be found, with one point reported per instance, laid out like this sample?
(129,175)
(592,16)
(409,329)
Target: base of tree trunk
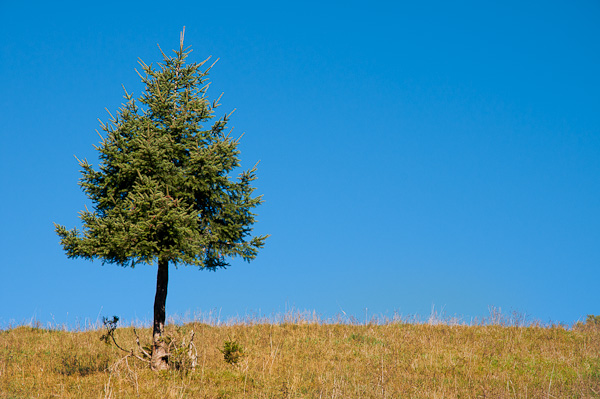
(160,353)
(160,357)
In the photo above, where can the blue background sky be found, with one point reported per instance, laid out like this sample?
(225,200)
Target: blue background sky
(412,154)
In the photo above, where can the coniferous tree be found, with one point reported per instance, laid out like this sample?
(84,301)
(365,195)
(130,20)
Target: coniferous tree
(163,193)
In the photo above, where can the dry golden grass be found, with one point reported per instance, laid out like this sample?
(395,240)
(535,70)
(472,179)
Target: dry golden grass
(304,359)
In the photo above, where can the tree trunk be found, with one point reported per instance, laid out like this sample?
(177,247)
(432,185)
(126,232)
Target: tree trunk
(160,356)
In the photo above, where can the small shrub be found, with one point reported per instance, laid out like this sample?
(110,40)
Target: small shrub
(232,352)
(111,326)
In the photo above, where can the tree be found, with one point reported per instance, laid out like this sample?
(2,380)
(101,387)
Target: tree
(163,193)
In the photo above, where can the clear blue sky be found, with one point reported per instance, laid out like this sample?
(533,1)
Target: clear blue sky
(412,154)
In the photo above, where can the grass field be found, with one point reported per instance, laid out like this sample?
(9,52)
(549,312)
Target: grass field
(308,358)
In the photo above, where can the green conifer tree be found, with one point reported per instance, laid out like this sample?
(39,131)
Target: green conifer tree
(163,192)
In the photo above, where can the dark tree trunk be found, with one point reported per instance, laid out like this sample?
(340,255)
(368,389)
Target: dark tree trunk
(160,356)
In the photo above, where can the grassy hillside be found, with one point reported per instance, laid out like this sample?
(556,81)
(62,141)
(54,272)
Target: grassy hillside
(312,360)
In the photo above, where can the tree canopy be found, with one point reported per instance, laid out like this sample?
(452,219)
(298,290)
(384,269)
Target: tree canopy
(163,189)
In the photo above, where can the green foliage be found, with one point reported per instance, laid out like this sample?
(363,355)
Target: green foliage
(111,326)
(163,188)
(232,352)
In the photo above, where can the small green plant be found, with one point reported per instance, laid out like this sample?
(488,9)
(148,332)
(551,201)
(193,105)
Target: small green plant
(111,326)
(232,352)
